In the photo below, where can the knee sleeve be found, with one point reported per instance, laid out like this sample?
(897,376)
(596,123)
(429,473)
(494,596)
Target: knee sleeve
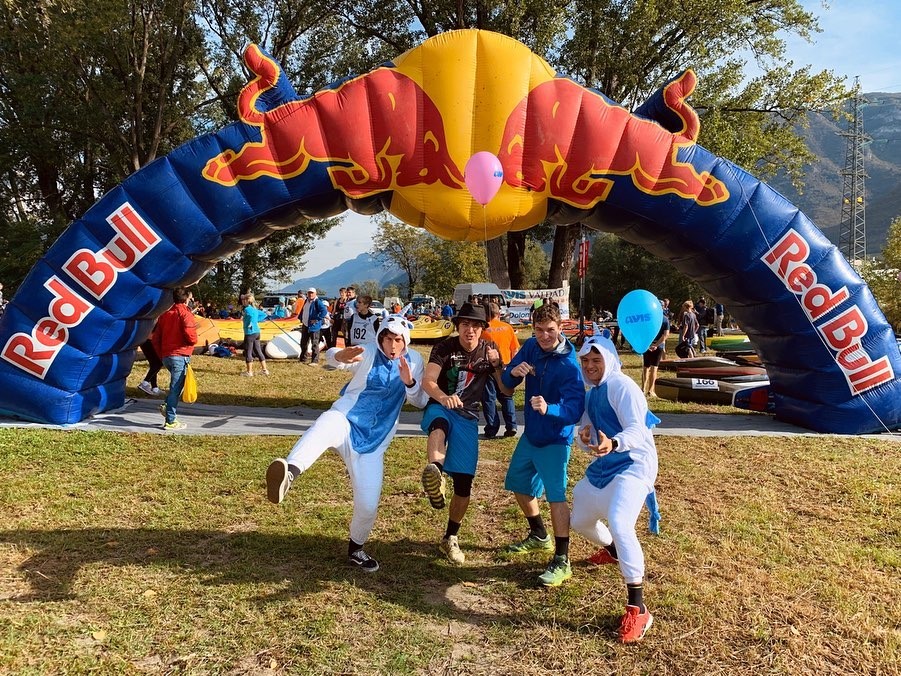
(462,484)
(440,424)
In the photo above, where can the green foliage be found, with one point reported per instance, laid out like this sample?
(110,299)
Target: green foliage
(92,90)
(535,265)
(616,267)
(402,247)
(883,276)
(451,263)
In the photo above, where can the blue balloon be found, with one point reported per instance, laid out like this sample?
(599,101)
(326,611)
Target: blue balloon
(640,317)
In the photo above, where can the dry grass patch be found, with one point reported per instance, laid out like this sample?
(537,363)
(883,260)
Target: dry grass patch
(146,554)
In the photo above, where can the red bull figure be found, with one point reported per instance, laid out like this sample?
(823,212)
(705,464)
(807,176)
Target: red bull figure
(551,144)
(380,131)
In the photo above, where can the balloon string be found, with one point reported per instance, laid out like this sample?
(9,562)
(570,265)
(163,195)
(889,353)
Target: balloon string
(485,239)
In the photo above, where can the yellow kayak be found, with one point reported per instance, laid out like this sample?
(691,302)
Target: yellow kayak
(234,328)
(426,328)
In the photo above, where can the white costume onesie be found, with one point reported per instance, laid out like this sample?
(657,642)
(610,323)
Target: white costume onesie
(362,422)
(616,485)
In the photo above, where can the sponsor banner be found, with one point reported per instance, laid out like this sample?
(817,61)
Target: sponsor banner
(520,301)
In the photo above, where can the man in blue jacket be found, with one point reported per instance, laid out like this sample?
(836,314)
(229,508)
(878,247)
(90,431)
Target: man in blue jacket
(554,403)
(314,311)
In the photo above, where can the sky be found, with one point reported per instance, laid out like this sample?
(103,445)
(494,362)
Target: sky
(859,38)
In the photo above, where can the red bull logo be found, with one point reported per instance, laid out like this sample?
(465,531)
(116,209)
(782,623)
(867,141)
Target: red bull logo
(378,131)
(568,142)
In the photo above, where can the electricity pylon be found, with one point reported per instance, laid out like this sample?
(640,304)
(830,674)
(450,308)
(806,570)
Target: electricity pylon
(852,240)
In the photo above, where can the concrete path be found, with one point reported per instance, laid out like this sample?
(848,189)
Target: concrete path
(142,415)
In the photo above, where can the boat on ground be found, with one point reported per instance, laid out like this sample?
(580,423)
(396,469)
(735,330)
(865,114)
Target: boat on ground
(718,372)
(703,390)
(234,328)
(283,346)
(694,362)
(425,328)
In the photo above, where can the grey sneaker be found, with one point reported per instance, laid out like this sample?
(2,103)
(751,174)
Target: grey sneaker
(433,483)
(558,571)
(278,480)
(531,544)
(363,561)
(146,388)
(450,547)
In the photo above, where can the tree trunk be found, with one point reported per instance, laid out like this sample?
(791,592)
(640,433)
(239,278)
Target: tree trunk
(516,256)
(497,263)
(565,239)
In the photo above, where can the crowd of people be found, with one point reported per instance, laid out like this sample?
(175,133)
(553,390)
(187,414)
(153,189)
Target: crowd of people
(572,395)
(611,418)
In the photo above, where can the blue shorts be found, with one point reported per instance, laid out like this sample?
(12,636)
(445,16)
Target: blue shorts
(462,439)
(534,468)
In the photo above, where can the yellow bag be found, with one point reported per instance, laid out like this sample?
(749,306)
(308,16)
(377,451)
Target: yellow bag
(189,394)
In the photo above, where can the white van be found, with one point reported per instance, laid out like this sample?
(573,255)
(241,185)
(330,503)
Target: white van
(487,290)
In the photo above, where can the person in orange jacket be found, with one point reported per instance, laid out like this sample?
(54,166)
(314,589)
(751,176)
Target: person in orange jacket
(173,339)
(508,345)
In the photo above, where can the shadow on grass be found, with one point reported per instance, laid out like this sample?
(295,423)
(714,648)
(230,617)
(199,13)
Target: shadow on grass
(412,574)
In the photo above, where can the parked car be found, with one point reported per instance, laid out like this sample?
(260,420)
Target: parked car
(378,308)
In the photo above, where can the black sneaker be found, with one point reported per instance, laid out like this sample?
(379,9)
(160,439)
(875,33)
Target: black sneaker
(278,480)
(363,561)
(509,433)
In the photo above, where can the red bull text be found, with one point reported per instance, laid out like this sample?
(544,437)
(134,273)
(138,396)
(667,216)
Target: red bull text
(844,333)
(96,272)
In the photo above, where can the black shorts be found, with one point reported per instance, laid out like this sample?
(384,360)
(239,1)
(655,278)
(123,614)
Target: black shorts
(652,357)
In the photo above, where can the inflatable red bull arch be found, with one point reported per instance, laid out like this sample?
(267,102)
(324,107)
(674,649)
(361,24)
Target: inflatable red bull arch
(397,138)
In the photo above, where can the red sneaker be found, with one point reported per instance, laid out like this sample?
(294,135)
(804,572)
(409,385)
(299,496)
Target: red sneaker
(634,624)
(602,557)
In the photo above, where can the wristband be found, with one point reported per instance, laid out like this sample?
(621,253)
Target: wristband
(413,384)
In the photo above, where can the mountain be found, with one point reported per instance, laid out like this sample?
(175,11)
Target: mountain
(821,199)
(355,271)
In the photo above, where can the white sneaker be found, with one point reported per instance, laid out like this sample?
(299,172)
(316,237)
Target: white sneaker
(450,547)
(156,392)
(246,374)
(146,389)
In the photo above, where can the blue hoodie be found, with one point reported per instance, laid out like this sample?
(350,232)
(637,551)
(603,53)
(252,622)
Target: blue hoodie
(558,378)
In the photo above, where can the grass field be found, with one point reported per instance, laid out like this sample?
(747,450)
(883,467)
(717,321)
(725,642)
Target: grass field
(133,553)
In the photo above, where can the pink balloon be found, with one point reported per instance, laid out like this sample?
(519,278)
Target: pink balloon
(483,175)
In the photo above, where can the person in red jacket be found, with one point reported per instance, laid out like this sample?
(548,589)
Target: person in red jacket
(173,339)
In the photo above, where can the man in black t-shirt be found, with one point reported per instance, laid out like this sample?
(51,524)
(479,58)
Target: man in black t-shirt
(455,378)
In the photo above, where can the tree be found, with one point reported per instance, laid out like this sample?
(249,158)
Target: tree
(535,264)
(369,287)
(883,276)
(90,91)
(451,263)
(627,50)
(617,267)
(402,247)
